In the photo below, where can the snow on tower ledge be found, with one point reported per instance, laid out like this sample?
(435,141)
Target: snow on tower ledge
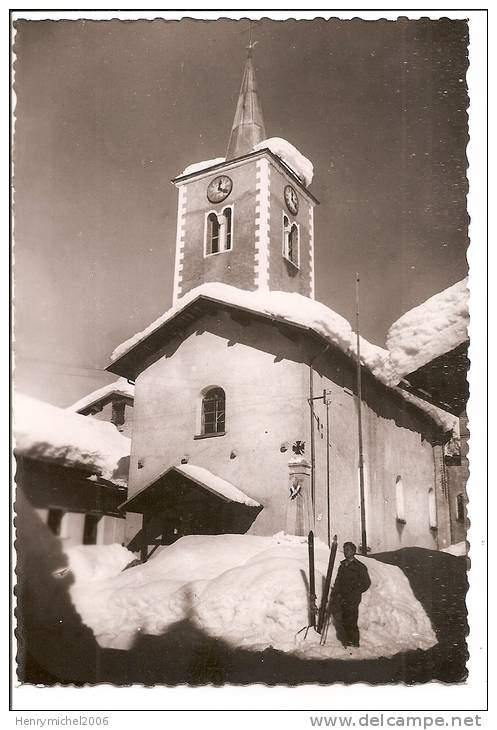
(46,432)
(304,312)
(290,155)
(198,166)
(295,160)
(431,329)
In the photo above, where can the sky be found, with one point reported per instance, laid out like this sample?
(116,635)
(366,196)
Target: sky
(107,112)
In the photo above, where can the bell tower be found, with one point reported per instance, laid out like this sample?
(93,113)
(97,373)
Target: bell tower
(247,219)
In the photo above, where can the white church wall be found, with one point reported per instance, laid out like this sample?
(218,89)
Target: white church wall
(396,443)
(266,411)
(266,381)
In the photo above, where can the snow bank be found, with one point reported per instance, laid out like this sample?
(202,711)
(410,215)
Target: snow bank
(290,155)
(97,562)
(198,166)
(43,431)
(119,386)
(250,591)
(215,484)
(460,548)
(433,328)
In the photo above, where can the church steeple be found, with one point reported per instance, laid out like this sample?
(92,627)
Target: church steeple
(248,124)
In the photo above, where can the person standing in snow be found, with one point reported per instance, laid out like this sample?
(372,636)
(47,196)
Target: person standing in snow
(351,582)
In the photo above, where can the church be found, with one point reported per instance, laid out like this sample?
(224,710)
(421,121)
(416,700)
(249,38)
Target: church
(249,392)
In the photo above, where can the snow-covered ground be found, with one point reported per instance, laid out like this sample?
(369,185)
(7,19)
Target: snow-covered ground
(459,548)
(46,432)
(249,591)
(429,330)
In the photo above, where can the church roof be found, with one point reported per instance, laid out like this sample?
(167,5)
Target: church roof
(285,309)
(248,124)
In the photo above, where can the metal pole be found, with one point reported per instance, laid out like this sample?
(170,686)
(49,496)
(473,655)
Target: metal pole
(328,486)
(313,455)
(364,542)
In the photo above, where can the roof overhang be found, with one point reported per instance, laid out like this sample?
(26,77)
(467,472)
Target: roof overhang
(147,498)
(231,164)
(443,381)
(104,401)
(148,350)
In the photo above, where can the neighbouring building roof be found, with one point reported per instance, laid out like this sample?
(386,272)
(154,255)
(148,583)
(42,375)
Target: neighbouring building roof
(434,328)
(121,387)
(428,349)
(48,433)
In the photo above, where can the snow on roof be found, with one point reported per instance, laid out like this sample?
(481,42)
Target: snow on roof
(290,155)
(120,386)
(215,484)
(46,432)
(250,591)
(198,166)
(285,306)
(431,329)
(302,311)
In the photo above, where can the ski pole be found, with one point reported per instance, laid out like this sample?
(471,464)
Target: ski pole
(312,582)
(324,598)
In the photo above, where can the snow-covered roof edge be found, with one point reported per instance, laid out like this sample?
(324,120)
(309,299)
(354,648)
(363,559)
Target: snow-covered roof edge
(301,311)
(433,328)
(48,433)
(120,386)
(216,484)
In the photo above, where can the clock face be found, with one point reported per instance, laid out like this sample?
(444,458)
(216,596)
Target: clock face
(291,200)
(219,189)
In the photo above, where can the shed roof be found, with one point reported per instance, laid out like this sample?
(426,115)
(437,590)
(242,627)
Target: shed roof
(200,476)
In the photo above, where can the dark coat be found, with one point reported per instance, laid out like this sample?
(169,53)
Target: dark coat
(352,581)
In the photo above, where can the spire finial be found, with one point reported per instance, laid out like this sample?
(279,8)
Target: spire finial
(250,44)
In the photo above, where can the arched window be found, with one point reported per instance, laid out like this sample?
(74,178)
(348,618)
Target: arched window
(432,509)
(219,231)
(227,215)
(212,233)
(290,241)
(214,411)
(460,511)
(399,500)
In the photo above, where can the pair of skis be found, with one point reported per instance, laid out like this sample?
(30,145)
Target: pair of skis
(319,619)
